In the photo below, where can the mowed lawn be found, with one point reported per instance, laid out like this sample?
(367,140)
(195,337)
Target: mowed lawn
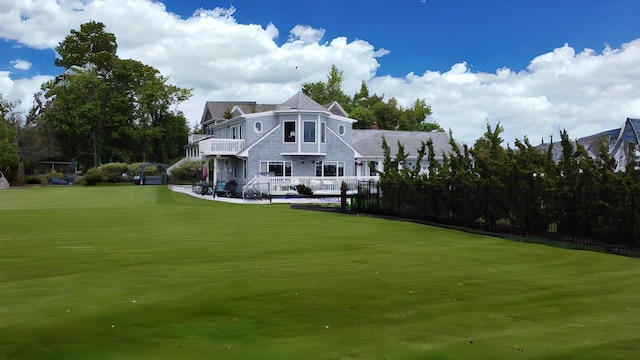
(140,272)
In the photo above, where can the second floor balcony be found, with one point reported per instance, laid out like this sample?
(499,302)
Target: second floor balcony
(211,147)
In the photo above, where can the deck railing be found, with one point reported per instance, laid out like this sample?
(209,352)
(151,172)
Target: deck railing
(279,185)
(221,146)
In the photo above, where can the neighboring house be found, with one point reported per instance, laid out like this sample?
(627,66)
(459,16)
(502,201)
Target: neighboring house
(368,143)
(622,145)
(272,148)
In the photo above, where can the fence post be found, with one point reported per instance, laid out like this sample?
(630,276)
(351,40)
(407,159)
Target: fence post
(486,208)
(526,212)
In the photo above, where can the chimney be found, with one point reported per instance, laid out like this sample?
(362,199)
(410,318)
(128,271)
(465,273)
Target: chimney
(374,126)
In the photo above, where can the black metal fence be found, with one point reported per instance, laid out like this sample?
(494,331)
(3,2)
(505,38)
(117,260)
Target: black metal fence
(609,222)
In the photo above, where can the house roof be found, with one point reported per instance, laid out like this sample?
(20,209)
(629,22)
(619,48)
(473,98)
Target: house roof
(369,142)
(615,138)
(214,110)
(300,101)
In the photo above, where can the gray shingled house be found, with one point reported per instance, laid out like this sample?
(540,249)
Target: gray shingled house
(272,148)
(623,144)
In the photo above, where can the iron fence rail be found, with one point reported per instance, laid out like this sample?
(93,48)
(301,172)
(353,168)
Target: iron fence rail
(605,221)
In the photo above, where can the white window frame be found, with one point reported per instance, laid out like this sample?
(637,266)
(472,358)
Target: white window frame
(312,135)
(321,168)
(265,167)
(286,137)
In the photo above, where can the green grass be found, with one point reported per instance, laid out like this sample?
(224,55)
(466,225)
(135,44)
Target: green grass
(135,272)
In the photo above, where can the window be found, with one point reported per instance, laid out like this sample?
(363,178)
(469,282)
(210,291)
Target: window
(341,130)
(289,131)
(276,168)
(257,127)
(323,132)
(330,168)
(236,132)
(309,131)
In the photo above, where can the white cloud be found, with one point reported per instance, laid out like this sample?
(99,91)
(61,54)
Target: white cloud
(21,90)
(19,64)
(583,91)
(306,34)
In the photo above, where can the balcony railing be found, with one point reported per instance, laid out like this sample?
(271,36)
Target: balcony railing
(221,146)
(278,185)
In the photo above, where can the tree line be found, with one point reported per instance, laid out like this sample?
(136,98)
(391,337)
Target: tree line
(371,109)
(579,198)
(99,108)
(488,163)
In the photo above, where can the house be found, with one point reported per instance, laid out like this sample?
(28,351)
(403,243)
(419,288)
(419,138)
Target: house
(270,149)
(622,144)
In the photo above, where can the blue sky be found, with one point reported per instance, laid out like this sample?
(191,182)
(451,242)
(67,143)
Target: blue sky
(520,63)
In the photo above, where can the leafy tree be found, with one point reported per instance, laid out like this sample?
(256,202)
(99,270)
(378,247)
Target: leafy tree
(8,153)
(371,109)
(28,142)
(90,45)
(104,105)
(490,157)
(325,93)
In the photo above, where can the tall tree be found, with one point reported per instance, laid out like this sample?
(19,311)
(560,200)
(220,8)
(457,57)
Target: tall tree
(325,93)
(8,153)
(90,45)
(369,109)
(104,105)
(29,142)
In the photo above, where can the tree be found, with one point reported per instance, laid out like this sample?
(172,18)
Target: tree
(28,142)
(370,109)
(490,157)
(106,106)
(90,45)
(325,93)
(8,153)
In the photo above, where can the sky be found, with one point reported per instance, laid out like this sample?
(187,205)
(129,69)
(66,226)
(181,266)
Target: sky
(534,67)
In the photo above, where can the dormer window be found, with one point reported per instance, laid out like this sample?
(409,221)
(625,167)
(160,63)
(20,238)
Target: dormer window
(289,131)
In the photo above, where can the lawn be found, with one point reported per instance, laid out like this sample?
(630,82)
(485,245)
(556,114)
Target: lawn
(140,272)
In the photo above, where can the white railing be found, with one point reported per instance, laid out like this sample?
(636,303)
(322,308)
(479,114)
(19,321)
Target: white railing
(195,137)
(221,146)
(278,185)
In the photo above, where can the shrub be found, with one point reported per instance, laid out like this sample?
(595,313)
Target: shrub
(113,178)
(33,180)
(93,176)
(187,170)
(113,169)
(304,189)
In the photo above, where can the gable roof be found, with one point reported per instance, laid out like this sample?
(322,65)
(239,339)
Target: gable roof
(300,101)
(336,109)
(214,110)
(369,142)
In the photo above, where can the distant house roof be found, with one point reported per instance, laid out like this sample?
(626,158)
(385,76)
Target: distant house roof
(214,110)
(369,142)
(615,139)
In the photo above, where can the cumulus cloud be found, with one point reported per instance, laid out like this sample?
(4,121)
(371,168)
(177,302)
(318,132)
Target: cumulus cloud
(21,90)
(306,34)
(23,65)
(583,91)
